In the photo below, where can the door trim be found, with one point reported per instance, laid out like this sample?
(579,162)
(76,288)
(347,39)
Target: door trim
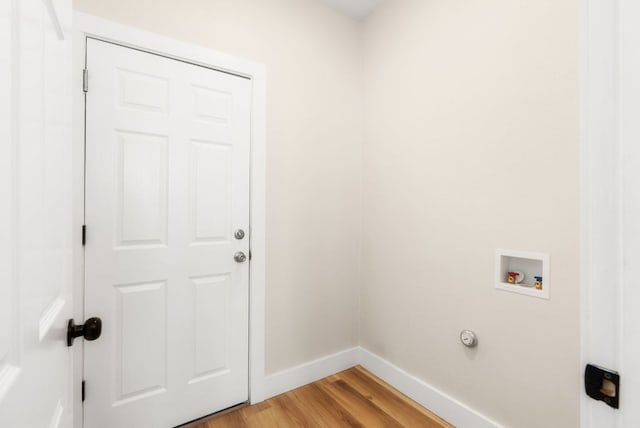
(84,26)
(601,198)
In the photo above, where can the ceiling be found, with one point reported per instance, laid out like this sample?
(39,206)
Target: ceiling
(356,9)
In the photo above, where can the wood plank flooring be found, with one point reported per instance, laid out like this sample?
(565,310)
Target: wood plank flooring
(352,398)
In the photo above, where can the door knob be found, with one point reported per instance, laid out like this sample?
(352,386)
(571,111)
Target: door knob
(239,234)
(240,257)
(90,330)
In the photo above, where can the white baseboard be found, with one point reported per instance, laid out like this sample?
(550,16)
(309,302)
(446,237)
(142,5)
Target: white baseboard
(431,398)
(312,371)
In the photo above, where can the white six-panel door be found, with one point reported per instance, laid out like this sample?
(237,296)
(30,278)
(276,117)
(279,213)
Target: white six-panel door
(35,213)
(167,184)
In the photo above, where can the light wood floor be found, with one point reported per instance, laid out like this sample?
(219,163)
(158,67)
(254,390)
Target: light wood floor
(353,398)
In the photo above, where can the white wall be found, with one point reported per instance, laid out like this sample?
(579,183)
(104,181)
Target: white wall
(314,127)
(471,144)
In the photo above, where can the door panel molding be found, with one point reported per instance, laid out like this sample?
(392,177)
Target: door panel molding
(213,109)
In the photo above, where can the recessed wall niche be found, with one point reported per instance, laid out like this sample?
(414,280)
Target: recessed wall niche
(522,272)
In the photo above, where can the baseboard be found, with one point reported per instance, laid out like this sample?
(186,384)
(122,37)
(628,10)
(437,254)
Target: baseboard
(426,395)
(312,371)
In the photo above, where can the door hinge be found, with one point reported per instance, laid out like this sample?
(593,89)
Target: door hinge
(85,80)
(84,234)
(83,382)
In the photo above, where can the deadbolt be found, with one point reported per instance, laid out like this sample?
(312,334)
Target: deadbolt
(239,234)
(240,257)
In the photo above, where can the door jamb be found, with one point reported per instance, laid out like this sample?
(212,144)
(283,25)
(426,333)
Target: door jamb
(601,198)
(87,25)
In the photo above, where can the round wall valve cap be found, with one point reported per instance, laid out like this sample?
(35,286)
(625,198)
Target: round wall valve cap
(468,338)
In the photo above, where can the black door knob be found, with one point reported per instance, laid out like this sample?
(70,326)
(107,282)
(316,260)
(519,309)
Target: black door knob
(90,330)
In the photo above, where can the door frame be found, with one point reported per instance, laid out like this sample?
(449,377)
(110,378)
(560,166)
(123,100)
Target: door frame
(601,199)
(91,26)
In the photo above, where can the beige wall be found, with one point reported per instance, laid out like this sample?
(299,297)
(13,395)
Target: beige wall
(471,144)
(314,137)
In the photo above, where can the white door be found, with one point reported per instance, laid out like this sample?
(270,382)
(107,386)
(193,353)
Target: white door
(35,214)
(167,186)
